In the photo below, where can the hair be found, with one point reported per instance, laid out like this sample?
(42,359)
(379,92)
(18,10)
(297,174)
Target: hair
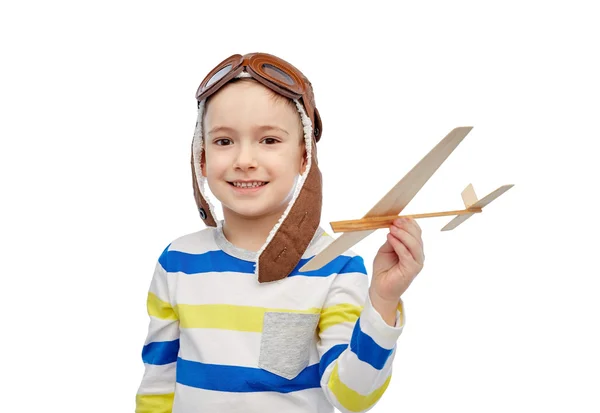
(276,97)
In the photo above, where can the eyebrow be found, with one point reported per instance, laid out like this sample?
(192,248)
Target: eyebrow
(262,128)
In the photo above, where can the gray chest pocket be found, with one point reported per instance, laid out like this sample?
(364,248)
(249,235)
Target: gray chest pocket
(285,343)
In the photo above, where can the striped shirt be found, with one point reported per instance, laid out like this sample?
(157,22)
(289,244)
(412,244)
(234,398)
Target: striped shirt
(219,341)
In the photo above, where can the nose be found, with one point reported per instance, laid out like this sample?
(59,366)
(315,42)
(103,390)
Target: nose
(246,158)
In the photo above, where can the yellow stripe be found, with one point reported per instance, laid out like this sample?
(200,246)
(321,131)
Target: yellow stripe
(349,398)
(154,403)
(339,313)
(160,309)
(228,317)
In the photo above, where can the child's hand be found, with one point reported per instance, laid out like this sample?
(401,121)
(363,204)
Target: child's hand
(395,266)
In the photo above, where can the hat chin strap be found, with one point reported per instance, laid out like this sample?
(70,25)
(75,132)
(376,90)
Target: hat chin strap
(284,248)
(291,236)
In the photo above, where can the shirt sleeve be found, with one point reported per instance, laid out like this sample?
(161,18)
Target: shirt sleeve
(159,354)
(356,345)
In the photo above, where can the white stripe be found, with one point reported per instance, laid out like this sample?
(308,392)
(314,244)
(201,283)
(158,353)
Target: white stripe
(189,399)
(159,284)
(348,288)
(158,379)
(319,244)
(361,376)
(214,346)
(162,330)
(337,334)
(223,347)
(195,243)
(296,292)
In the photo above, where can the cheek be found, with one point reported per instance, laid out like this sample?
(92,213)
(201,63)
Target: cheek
(286,164)
(214,164)
(213,169)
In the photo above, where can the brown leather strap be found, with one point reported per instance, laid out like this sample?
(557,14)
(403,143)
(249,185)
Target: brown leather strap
(294,235)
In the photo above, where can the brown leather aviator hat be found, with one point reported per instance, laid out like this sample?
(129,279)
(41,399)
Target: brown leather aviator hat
(295,229)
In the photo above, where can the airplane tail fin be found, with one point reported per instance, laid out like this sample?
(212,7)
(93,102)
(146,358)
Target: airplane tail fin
(471,202)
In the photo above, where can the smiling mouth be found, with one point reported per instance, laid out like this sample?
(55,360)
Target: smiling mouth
(253,184)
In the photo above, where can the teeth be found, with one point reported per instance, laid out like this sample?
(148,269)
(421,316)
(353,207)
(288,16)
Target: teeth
(247,184)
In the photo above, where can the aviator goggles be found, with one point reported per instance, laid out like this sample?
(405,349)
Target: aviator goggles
(272,72)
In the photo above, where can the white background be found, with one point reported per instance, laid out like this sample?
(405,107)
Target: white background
(97,115)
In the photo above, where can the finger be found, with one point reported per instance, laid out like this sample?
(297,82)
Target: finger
(386,248)
(418,231)
(411,243)
(410,225)
(400,249)
(416,226)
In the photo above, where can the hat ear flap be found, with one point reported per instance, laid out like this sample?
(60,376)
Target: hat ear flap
(284,251)
(203,207)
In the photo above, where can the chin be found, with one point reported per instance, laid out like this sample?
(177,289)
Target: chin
(256,213)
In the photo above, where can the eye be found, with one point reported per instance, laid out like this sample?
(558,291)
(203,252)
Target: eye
(270,141)
(223,142)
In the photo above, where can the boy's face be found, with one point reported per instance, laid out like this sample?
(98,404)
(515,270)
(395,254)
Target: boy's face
(253,150)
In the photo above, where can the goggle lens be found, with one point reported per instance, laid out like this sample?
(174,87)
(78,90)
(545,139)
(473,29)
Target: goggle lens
(277,74)
(218,76)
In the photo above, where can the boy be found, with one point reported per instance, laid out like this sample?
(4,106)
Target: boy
(234,326)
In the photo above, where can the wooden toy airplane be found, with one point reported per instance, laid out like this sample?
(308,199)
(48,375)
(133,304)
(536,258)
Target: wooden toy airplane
(387,209)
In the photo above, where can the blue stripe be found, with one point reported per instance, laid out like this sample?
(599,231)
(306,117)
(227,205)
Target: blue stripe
(242,379)
(367,349)
(161,352)
(219,261)
(330,356)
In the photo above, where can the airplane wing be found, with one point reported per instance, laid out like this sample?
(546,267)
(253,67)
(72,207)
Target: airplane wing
(396,199)
(491,196)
